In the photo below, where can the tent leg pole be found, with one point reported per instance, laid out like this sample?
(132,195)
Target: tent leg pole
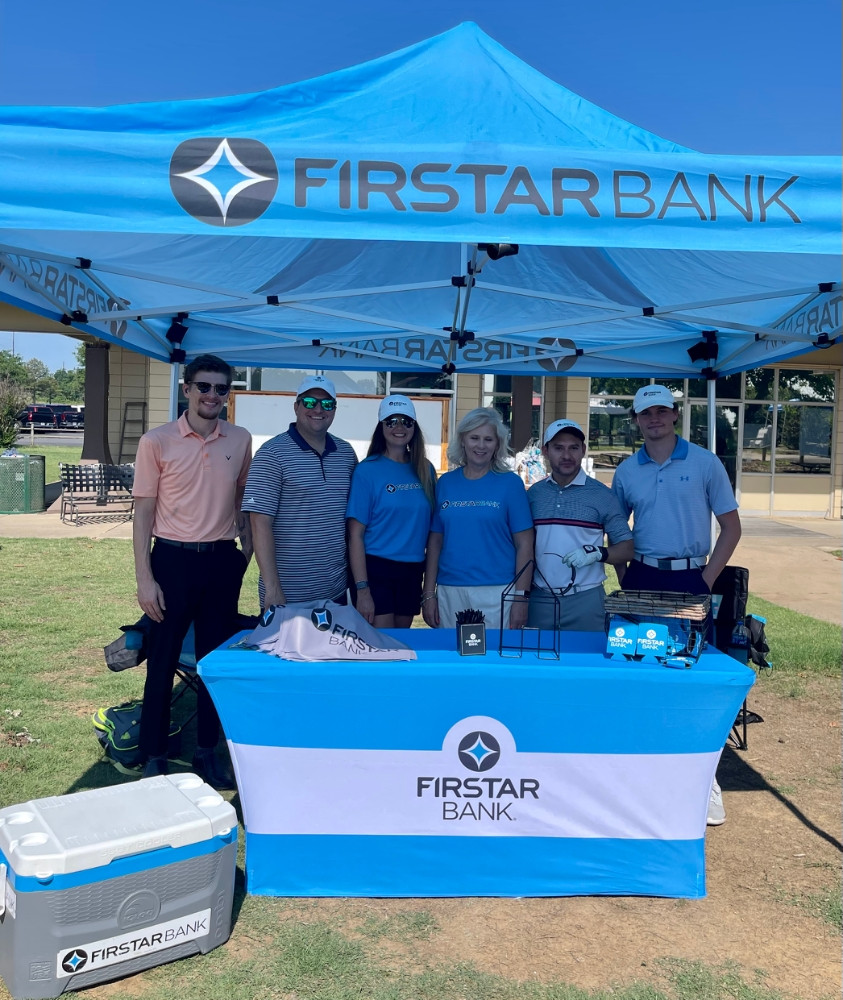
(711,388)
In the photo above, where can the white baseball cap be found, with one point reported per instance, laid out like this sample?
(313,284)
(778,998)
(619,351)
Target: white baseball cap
(652,395)
(563,425)
(395,404)
(316,382)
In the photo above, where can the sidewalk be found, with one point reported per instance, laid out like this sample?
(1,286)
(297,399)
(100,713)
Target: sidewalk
(789,560)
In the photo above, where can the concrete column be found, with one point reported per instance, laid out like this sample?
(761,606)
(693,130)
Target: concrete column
(522,411)
(95,445)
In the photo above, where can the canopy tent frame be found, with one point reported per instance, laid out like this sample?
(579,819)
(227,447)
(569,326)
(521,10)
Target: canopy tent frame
(290,229)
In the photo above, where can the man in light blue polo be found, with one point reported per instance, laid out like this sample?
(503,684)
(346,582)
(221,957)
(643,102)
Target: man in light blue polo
(672,488)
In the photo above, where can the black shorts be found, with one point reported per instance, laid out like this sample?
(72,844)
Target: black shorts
(396,586)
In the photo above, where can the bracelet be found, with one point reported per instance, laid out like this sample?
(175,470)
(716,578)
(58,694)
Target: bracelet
(430,597)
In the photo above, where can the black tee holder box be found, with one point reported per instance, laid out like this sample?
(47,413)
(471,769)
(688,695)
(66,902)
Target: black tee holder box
(471,639)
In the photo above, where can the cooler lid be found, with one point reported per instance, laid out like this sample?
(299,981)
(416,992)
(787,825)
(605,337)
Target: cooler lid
(82,830)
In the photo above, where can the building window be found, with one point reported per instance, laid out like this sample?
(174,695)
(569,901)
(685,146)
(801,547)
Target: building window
(497,393)
(767,419)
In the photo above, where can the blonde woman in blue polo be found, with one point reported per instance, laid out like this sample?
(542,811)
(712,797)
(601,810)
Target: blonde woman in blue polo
(389,513)
(482,532)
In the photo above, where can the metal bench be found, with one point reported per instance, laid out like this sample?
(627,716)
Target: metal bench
(96,493)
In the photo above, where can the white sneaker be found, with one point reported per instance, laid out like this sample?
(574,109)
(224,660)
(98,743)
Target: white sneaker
(716,811)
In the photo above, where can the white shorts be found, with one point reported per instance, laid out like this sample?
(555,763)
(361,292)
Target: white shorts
(485,599)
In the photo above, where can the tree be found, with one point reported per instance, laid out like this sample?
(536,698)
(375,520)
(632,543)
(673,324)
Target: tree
(12,401)
(70,385)
(39,380)
(11,367)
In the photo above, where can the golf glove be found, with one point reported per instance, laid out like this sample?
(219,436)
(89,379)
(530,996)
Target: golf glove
(583,556)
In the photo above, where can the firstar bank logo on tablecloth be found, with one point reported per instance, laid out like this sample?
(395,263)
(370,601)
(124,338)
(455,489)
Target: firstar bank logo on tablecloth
(479,745)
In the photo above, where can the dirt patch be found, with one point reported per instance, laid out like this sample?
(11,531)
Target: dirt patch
(772,870)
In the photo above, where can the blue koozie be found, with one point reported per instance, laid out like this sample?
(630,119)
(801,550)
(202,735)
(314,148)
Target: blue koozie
(622,639)
(652,642)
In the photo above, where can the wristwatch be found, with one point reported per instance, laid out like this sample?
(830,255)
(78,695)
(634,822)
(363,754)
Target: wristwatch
(362,585)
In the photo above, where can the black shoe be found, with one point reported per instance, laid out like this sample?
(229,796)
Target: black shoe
(217,774)
(155,766)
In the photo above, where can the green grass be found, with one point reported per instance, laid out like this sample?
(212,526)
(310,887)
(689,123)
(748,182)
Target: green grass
(53,454)
(825,905)
(799,644)
(316,961)
(61,601)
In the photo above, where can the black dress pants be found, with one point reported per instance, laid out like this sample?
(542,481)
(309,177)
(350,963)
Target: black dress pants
(198,587)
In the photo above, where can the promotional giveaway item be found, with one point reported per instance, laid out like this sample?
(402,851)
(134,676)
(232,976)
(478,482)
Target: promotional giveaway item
(650,626)
(322,630)
(101,884)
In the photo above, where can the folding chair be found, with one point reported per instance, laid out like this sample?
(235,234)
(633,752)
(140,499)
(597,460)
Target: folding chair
(186,672)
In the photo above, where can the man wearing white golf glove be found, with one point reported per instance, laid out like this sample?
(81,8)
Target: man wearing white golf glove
(585,556)
(571,513)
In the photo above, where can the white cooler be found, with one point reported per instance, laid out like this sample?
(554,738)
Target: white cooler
(101,884)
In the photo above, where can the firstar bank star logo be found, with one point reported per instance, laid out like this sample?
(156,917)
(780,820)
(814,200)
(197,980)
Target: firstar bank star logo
(556,363)
(479,751)
(74,960)
(223,181)
(322,619)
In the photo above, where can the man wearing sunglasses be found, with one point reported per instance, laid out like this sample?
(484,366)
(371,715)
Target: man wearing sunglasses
(296,495)
(189,479)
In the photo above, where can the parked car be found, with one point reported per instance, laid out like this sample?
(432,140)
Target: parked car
(68,417)
(37,416)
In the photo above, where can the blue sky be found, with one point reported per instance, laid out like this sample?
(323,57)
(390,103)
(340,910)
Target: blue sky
(720,76)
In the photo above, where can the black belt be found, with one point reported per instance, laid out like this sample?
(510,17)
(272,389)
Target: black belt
(196,546)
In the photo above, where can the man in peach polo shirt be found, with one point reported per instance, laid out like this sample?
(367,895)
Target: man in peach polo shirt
(189,481)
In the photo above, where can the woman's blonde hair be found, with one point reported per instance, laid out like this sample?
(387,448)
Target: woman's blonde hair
(470,422)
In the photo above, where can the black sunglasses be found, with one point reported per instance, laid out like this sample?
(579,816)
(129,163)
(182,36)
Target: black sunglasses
(395,421)
(221,389)
(311,402)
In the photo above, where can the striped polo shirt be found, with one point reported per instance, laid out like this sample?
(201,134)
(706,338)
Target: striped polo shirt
(568,517)
(306,494)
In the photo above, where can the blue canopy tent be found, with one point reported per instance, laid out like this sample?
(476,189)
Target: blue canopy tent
(368,219)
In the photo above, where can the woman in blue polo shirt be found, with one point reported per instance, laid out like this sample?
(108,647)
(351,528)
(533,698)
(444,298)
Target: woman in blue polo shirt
(389,511)
(482,531)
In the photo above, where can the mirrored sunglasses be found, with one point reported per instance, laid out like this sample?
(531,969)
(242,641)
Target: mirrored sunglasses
(311,402)
(404,421)
(221,389)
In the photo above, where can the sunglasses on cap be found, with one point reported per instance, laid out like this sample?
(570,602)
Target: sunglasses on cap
(311,402)
(395,421)
(221,389)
